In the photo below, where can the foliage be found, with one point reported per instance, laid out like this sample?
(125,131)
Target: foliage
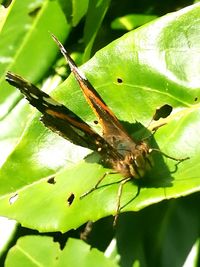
(135,73)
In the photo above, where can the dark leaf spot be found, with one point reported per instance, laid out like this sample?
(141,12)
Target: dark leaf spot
(95,122)
(196,98)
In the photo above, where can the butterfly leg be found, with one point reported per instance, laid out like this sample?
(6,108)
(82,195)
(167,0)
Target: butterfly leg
(167,156)
(96,185)
(87,230)
(119,194)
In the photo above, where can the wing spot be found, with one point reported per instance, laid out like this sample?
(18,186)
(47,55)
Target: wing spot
(34,96)
(45,104)
(50,101)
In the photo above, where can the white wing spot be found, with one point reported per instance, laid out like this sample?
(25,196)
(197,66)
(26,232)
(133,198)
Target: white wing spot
(50,101)
(45,104)
(34,96)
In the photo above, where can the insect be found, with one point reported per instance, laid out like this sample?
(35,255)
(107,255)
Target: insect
(118,150)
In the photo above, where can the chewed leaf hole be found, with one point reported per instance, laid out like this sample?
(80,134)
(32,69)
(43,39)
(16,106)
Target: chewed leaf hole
(51,180)
(70,199)
(13,199)
(162,112)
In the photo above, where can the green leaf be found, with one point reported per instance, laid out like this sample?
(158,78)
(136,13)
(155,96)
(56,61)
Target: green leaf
(157,232)
(96,12)
(24,50)
(155,65)
(77,253)
(28,40)
(74,10)
(33,251)
(132,21)
(79,9)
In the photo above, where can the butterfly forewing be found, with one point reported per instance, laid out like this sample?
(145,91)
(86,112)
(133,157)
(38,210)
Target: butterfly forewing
(60,119)
(108,121)
(55,115)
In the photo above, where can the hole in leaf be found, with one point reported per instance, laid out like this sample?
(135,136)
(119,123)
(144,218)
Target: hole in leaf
(70,199)
(13,199)
(119,80)
(162,112)
(51,180)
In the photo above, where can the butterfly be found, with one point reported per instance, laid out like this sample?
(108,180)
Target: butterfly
(118,150)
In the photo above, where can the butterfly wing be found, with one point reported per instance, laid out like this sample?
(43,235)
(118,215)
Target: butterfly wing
(109,122)
(56,116)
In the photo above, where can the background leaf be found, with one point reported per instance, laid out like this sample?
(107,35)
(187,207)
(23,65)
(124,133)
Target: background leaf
(96,12)
(25,49)
(160,61)
(26,254)
(157,232)
(150,64)
(130,22)
(32,250)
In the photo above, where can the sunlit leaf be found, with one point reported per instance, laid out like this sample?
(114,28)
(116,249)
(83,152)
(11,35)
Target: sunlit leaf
(33,251)
(145,69)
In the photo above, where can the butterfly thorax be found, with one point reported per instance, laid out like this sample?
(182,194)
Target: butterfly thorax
(135,157)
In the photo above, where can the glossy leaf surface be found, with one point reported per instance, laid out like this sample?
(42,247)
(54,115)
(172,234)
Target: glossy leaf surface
(152,66)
